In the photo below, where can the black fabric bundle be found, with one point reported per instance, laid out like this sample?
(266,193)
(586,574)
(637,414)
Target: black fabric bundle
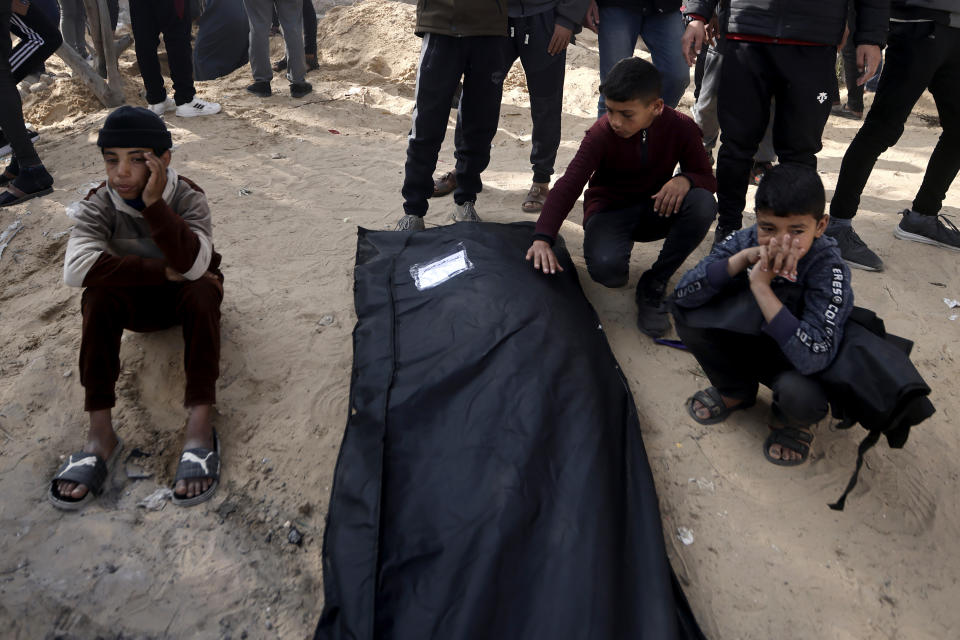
(492,480)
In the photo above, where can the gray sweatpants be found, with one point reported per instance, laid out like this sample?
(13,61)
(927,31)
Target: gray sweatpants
(705,110)
(260,15)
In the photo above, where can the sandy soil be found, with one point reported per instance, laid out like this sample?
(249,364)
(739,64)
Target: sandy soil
(289,182)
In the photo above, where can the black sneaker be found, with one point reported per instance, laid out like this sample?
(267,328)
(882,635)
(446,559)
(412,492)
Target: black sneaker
(300,89)
(854,250)
(937,230)
(410,223)
(5,147)
(652,316)
(261,89)
(722,232)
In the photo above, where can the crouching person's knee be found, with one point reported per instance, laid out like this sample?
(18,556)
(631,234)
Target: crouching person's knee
(201,296)
(100,301)
(699,208)
(799,400)
(608,270)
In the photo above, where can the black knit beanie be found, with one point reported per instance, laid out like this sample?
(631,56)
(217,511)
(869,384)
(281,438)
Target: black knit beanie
(134,127)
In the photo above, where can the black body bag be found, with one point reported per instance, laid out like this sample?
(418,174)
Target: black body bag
(492,481)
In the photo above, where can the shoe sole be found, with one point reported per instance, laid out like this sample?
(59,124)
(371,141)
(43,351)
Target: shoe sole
(199,113)
(864,267)
(916,237)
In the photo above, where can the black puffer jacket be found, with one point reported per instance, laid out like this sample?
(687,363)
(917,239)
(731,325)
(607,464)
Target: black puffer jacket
(461,17)
(816,21)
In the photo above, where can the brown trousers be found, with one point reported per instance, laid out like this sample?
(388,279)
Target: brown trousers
(107,311)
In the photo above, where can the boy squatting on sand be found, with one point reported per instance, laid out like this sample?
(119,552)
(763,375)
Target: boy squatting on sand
(799,281)
(629,157)
(143,249)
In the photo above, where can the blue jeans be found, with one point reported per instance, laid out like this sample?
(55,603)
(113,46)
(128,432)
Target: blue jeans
(619,29)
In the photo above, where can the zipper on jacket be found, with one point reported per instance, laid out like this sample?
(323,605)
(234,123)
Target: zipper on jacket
(643,148)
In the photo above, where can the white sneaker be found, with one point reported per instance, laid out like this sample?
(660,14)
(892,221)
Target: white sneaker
(162,107)
(198,107)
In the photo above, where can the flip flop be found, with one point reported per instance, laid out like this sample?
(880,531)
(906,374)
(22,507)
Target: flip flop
(444,185)
(797,440)
(14,195)
(713,401)
(199,463)
(87,469)
(536,197)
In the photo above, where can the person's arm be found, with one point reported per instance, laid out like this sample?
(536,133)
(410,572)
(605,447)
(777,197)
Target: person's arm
(185,239)
(811,341)
(695,33)
(570,13)
(712,274)
(564,194)
(870,36)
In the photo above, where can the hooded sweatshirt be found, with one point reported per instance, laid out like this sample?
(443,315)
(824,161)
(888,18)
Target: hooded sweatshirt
(114,244)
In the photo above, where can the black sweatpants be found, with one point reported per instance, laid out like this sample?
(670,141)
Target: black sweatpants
(738,363)
(850,72)
(529,38)
(920,55)
(11,109)
(150,18)
(39,38)
(608,238)
(801,79)
(480,61)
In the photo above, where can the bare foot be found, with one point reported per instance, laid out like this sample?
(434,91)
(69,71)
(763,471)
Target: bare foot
(199,435)
(101,441)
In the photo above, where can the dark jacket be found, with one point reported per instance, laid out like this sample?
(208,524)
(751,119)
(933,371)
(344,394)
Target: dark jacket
(942,11)
(645,7)
(812,21)
(810,325)
(461,18)
(567,13)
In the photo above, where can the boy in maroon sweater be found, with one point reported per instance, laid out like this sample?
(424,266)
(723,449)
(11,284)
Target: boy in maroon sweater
(629,157)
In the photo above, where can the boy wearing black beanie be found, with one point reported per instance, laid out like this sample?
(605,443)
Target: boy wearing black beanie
(142,248)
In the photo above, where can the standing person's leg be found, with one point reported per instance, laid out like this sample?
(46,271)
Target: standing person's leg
(39,38)
(744,113)
(176,37)
(617,39)
(922,223)
(310,34)
(259,15)
(146,36)
(290,13)
(479,114)
(441,65)
(766,154)
(662,33)
(73,25)
(26,175)
(906,76)
(804,77)
(705,108)
(545,75)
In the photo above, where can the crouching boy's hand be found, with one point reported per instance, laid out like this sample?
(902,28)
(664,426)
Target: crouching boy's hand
(156,182)
(543,257)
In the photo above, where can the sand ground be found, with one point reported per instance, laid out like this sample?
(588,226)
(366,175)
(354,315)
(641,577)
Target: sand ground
(289,182)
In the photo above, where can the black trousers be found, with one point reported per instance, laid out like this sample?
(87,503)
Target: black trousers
(801,79)
(608,238)
(737,364)
(150,18)
(480,61)
(11,109)
(920,55)
(850,72)
(529,38)
(39,38)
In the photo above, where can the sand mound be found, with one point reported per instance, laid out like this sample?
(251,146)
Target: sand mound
(371,41)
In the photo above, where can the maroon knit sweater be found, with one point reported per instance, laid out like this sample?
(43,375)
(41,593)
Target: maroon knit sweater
(625,172)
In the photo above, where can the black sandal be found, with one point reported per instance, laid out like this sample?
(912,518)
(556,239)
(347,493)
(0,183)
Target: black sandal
(712,400)
(199,463)
(797,440)
(84,468)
